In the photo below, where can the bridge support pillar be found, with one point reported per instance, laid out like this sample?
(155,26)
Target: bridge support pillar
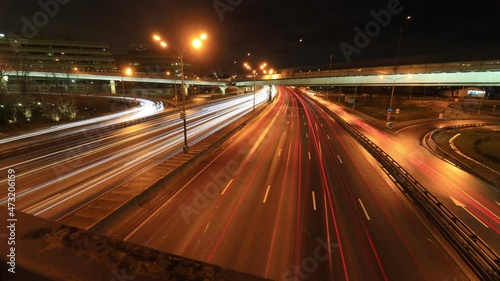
(112,85)
(223,89)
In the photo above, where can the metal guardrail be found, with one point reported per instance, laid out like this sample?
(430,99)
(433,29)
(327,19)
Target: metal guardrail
(445,156)
(482,259)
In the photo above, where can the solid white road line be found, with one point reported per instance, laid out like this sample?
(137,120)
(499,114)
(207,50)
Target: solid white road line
(328,137)
(224,191)
(364,210)
(267,193)
(314,200)
(309,155)
(279,153)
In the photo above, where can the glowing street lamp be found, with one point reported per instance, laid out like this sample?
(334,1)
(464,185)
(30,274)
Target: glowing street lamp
(196,43)
(255,72)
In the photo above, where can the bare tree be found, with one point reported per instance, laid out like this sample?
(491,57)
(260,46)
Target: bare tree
(72,112)
(27,111)
(55,115)
(64,105)
(67,108)
(15,111)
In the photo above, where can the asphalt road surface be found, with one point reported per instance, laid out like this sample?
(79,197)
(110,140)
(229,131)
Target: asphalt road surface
(292,197)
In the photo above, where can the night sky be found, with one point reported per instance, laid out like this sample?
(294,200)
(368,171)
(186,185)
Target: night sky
(270,30)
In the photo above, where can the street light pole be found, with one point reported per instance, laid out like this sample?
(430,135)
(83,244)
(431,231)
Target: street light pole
(399,42)
(183,113)
(254,72)
(355,92)
(128,72)
(180,52)
(295,46)
(254,88)
(175,89)
(392,92)
(123,89)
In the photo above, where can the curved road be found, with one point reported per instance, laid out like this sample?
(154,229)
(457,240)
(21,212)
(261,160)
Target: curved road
(471,199)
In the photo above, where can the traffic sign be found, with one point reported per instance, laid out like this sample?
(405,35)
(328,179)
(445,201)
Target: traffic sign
(389,116)
(397,110)
(389,109)
(440,116)
(389,125)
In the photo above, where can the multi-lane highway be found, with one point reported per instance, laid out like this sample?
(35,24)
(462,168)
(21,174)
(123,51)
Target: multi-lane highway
(472,200)
(293,197)
(60,176)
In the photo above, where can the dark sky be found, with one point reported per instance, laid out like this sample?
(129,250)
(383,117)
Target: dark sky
(270,29)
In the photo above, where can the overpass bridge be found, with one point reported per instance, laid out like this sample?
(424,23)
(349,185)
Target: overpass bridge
(469,73)
(472,73)
(113,78)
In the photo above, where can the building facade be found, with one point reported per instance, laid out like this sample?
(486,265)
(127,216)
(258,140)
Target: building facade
(145,60)
(58,55)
